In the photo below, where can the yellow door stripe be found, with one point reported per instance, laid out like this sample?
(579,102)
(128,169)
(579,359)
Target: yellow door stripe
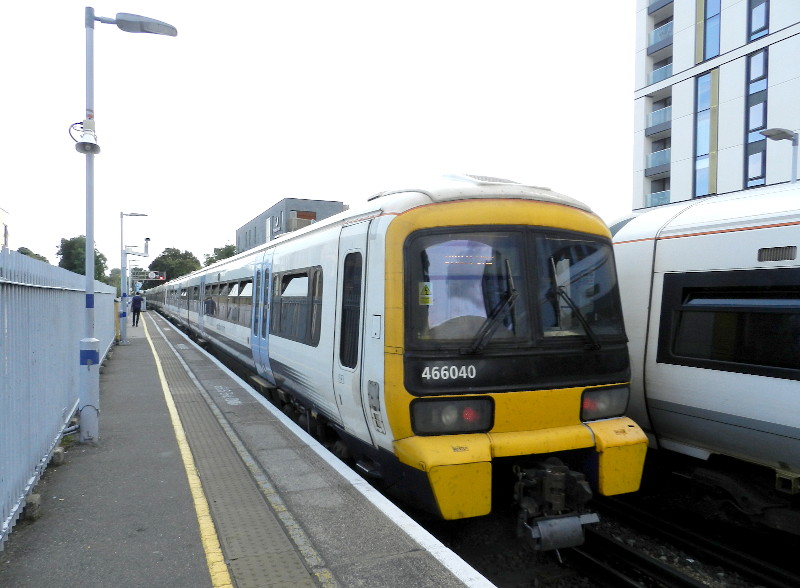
(217,568)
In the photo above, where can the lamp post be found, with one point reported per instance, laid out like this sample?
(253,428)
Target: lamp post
(123,279)
(89,401)
(777,134)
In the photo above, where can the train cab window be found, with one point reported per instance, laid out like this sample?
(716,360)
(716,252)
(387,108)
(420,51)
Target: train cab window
(577,288)
(464,288)
(479,290)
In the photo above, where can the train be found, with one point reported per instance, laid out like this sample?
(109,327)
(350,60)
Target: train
(450,340)
(711,296)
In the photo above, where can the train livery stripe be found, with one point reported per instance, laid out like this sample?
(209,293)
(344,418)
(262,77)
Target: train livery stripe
(715,232)
(217,568)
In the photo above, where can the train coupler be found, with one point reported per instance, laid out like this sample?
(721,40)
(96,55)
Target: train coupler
(552,501)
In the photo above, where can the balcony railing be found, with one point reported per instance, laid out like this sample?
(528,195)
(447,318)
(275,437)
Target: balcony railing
(658,158)
(662,73)
(656,198)
(659,117)
(660,34)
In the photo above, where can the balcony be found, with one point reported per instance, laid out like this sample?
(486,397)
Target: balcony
(656,5)
(656,198)
(660,38)
(659,158)
(658,163)
(662,73)
(659,121)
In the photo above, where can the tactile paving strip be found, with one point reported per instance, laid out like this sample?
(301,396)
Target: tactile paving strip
(257,549)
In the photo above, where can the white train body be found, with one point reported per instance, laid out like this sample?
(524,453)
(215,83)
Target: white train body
(711,298)
(443,334)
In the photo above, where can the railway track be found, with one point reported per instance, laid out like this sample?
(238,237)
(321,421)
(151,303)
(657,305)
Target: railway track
(610,563)
(755,570)
(490,545)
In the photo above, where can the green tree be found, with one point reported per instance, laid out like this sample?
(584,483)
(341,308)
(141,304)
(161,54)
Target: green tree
(73,257)
(220,253)
(29,253)
(175,264)
(114,279)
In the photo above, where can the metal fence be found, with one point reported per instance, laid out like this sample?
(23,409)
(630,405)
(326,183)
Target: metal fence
(42,320)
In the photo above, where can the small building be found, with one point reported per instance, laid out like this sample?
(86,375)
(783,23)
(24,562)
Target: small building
(287,215)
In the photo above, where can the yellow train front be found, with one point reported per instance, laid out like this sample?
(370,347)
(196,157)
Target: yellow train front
(505,357)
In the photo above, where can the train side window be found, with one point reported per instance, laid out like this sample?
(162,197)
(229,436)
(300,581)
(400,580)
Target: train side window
(351,310)
(316,306)
(245,302)
(740,321)
(293,306)
(257,301)
(265,307)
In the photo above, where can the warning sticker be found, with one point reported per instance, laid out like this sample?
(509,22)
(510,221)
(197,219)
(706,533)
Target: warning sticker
(425,294)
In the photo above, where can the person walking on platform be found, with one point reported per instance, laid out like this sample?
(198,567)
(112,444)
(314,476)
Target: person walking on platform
(136,308)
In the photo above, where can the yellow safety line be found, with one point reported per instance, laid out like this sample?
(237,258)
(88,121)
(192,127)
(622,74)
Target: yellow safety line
(220,578)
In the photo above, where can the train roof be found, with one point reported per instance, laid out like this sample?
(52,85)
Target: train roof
(768,206)
(466,187)
(440,189)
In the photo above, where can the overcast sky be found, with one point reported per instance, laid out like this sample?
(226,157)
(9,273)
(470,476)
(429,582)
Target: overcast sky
(255,101)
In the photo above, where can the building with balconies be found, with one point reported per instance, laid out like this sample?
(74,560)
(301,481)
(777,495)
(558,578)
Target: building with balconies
(711,75)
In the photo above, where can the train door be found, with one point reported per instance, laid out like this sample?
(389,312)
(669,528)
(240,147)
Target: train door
(349,330)
(259,337)
(201,307)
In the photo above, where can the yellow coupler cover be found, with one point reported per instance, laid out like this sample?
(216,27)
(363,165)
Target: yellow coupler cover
(459,470)
(622,446)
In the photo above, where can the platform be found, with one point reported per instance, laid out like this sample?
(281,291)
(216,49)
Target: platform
(198,481)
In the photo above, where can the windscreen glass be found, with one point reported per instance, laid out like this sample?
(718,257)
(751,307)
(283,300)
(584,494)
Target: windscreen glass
(488,289)
(577,288)
(466,284)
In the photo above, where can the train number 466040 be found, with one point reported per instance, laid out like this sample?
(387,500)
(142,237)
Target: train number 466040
(449,372)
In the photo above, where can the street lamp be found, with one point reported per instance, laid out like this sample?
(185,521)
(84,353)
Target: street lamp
(123,279)
(785,135)
(89,348)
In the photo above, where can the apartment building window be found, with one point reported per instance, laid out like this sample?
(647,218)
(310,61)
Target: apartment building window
(756,120)
(711,29)
(705,134)
(758,18)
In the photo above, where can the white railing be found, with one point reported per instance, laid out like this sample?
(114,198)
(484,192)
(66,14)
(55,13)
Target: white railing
(42,321)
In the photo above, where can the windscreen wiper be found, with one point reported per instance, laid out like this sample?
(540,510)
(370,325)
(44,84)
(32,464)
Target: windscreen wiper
(489,326)
(595,342)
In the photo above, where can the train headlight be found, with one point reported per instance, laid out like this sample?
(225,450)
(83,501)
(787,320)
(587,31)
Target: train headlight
(603,403)
(449,416)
